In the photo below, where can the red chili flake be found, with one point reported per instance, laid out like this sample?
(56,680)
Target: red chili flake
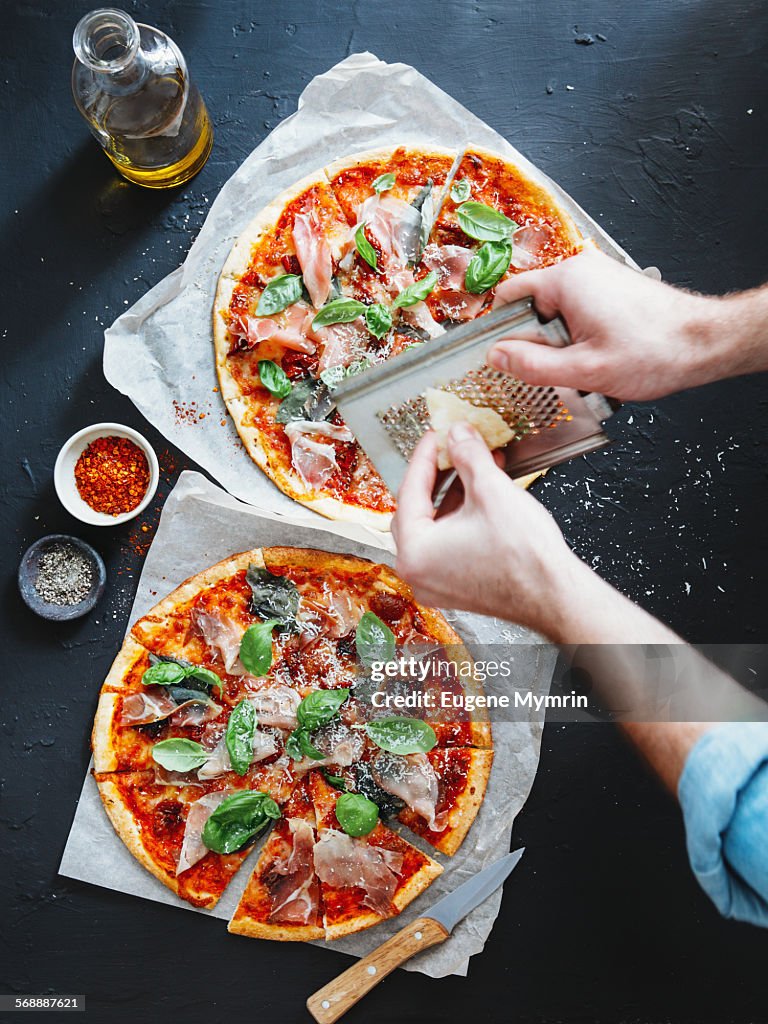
(112,475)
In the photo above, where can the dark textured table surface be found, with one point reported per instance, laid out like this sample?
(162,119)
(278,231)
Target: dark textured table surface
(659,129)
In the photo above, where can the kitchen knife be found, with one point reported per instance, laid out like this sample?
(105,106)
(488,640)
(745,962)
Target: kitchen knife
(334,999)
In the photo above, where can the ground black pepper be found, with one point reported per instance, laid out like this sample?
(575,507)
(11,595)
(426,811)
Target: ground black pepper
(64,575)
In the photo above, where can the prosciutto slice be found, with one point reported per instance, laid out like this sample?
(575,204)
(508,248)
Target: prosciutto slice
(223,636)
(529,244)
(276,706)
(314,255)
(395,225)
(291,329)
(411,778)
(342,344)
(328,614)
(341,744)
(450,263)
(145,707)
(418,315)
(218,764)
(341,861)
(291,881)
(165,777)
(193,849)
(313,458)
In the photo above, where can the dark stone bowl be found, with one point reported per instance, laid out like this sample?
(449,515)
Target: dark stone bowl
(28,569)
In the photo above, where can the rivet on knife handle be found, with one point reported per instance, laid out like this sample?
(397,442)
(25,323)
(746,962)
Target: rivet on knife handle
(334,999)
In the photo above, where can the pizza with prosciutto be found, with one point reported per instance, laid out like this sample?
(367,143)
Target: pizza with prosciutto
(248,701)
(371,255)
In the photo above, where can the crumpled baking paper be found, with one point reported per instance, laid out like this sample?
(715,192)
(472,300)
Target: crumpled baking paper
(202,524)
(160,352)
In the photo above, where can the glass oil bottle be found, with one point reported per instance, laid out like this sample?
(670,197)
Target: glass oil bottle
(130,83)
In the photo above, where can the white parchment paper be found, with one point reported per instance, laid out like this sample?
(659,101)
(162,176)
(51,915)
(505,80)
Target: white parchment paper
(202,524)
(160,352)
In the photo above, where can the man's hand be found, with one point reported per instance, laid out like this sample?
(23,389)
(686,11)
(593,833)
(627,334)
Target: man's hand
(498,553)
(634,338)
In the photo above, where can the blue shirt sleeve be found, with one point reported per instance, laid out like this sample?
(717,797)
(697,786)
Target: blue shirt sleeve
(723,793)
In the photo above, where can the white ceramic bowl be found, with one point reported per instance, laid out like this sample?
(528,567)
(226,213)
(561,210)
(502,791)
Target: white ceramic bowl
(64,473)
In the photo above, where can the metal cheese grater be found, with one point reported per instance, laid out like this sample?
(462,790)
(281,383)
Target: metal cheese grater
(384,406)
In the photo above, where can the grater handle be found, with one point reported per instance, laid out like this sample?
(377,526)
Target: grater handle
(556,333)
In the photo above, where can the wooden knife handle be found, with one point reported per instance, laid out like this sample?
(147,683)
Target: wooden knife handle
(334,999)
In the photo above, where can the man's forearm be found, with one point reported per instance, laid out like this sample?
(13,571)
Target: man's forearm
(664,693)
(728,336)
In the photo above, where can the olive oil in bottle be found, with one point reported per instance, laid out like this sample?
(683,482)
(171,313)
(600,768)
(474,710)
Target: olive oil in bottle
(131,84)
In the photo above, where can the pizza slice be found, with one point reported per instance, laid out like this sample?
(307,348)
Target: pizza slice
(273,346)
(442,791)
(163,827)
(363,878)
(495,221)
(282,898)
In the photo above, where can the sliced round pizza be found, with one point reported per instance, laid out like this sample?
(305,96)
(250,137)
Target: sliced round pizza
(248,699)
(378,252)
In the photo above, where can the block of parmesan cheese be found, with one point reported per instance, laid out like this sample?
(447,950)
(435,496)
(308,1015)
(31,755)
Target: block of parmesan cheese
(445,409)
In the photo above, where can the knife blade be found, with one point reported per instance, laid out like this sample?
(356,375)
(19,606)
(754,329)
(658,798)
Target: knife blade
(332,1001)
(457,904)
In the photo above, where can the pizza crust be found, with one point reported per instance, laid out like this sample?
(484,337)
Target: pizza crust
(129,831)
(538,191)
(241,924)
(383,154)
(463,813)
(105,753)
(405,895)
(147,627)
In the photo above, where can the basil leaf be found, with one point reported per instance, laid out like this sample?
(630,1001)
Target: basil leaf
(319,707)
(487,266)
(334,780)
(387,803)
(460,190)
(299,745)
(274,378)
(241,729)
(378,320)
(280,293)
(383,183)
(293,745)
(338,311)
(356,814)
(416,292)
(424,202)
(365,248)
(272,596)
(374,640)
(205,676)
(238,819)
(402,735)
(164,673)
(174,672)
(179,755)
(422,195)
(305,745)
(309,400)
(256,647)
(181,694)
(334,375)
(484,223)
